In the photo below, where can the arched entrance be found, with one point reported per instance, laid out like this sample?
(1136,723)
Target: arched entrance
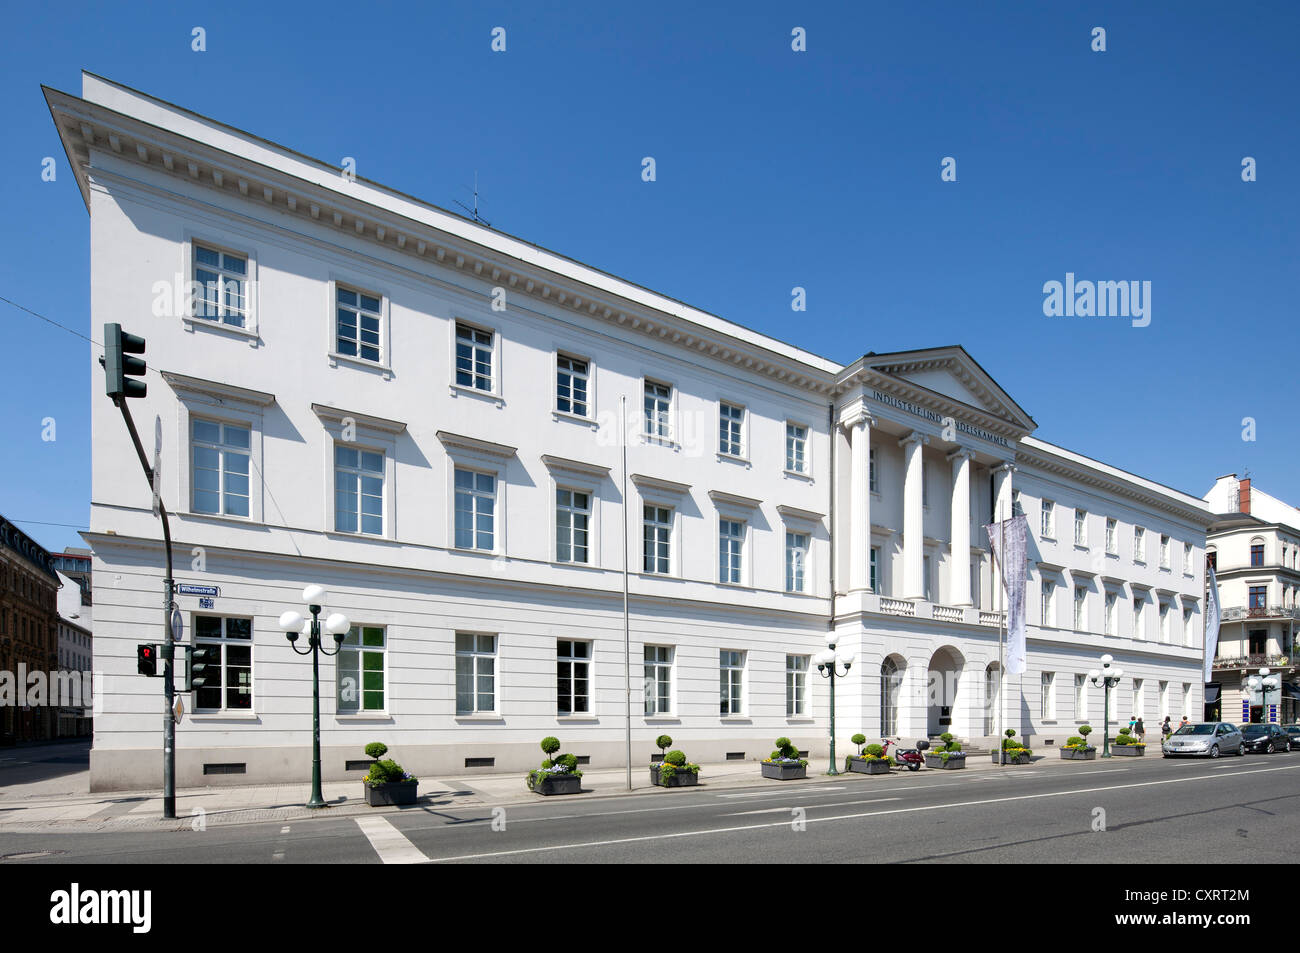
(941,690)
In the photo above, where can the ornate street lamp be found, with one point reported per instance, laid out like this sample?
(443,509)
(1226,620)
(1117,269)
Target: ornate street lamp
(1261,685)
(1106,678)
(826,662)
(337,624)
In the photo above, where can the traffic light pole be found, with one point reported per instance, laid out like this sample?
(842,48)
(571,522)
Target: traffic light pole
(169,647)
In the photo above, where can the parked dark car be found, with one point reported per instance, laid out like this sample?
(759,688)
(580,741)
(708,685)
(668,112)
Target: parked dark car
(1294,732)
(1265,738)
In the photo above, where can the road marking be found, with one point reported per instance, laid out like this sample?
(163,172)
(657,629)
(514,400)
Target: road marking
(389,843)
(778,810)
(838,817)
(284,830)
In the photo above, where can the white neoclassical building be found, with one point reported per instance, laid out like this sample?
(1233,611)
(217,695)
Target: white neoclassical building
(467,439)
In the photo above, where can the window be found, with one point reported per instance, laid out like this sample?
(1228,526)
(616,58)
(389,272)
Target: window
(474,352)
(1139,631)
(1048,589)
(1111,526)
(1257,554)
(658,679)
(1258,597)
(1187,627)
(222,286)
(357,326)
(571,380)
(220,477)
(730,423)
(1016,508)
(476,679)
(1080,608)
(476,497)
(1164,622)
(1164,699)
(658,409)
(1081,527)
(572,523)
(1187,558)
(796,448)
(1139,544)
(1212,559)
(731,542)
(925,486)
(358,490)
(796,561)
(875,568)
(360,670)
(872,485)
(1049,519)
(1164,552)
(1081,698)
(230,686)
(926,577)
(573,677)
(1138,699)
(657,528)
(731,681)
(1047,708)
(796,675)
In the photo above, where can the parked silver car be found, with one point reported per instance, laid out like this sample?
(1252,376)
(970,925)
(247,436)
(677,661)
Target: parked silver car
(1209,739)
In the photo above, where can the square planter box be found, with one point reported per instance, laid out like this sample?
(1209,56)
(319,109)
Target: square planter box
(1011,759)
(784,772)
(863,766)
(682,779)
(1074,754)
(952,764)
(559,784)
(393,793)
(1128,751)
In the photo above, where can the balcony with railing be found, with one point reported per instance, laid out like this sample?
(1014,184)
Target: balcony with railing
(1246,613)
(1280,663)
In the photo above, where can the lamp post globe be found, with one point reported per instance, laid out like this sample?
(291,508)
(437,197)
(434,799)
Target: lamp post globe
(293,624)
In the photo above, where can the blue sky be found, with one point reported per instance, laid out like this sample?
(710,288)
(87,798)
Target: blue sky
(775,169)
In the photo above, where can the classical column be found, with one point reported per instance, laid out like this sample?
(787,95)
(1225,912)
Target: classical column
(959,584)
(913,517)
(859,431)
(1001,511)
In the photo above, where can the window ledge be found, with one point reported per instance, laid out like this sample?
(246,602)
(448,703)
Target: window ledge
(567,417)
(798,474)
(383,369)
(222,517)
(459,390)
(192,324)
(734,458)
(800,720)
(574,719)
(668,442)
(370,537)
(662,719)
(1081,546)
(223,716)
(482,717)
(365,716)
(736,720)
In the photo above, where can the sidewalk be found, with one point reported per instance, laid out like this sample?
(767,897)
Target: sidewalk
(35,807)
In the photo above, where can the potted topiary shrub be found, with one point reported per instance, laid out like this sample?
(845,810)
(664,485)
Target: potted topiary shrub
(558,774)
(949,755)
(386,783)
(663,743)
(674,771)
(1016,752)
(1127,746)
(1076,747)
(869,760)
(785,763)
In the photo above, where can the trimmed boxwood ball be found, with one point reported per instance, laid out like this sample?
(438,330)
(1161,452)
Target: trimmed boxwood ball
(675,758)
(876,751)
(1010,732)
(550,744)
(663,742)
(570,761)
(376,750)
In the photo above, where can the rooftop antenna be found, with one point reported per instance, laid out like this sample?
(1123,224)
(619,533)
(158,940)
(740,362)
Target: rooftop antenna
(474,211)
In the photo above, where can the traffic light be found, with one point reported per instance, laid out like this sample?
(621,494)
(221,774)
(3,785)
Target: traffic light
(146,660)
(204,659)
(119,366)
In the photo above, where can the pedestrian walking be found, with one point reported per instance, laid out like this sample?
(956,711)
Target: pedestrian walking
(1140,731)
(1183,722)
(1165,729)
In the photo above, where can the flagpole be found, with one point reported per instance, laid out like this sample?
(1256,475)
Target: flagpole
(1002,628)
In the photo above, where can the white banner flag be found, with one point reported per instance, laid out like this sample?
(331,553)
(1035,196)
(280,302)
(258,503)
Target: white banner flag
(1211,622)
(1009,541)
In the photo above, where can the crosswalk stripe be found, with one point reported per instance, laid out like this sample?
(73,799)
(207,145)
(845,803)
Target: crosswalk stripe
(389,843)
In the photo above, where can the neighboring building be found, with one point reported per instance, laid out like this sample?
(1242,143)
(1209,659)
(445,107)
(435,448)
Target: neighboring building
(424,415)
(76,654)
(1254,547)
(28,634)
(75,562)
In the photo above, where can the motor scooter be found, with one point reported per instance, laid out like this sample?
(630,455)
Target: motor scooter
(910,758)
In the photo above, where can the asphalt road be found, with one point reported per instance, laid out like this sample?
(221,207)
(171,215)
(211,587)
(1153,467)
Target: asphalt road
(1153,811)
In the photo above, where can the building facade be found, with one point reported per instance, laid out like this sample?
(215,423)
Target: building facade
(1254,545)
(28,636)
(76,654)
(474,444)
